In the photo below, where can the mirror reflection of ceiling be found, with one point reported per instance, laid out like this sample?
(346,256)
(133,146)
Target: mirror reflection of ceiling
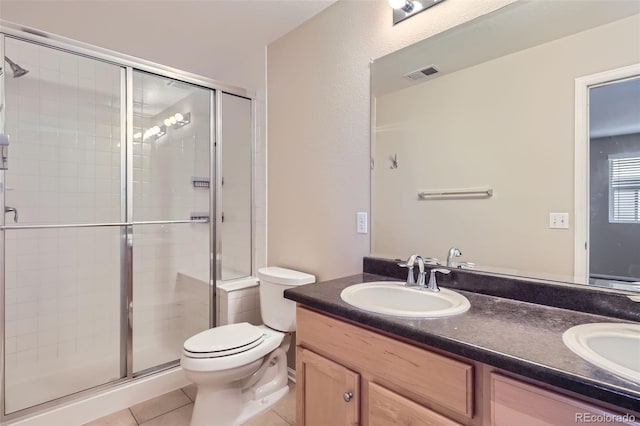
(515,27)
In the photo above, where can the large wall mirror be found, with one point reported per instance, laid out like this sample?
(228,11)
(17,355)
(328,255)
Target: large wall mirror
(519,144)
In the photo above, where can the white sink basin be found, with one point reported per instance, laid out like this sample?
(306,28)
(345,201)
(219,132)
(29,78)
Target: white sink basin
(393,298)
(612,346)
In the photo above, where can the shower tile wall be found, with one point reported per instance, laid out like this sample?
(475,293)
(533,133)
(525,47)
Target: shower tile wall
(239,301)
(62,285)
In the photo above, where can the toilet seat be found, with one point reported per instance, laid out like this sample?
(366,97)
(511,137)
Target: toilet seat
(194,362)
(224,341)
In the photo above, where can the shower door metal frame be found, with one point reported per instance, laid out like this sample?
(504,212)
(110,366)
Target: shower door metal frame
(128,65)
(2,237)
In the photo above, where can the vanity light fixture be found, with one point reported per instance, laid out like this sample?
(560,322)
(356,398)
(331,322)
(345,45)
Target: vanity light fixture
(178,120)
(154,132)
(403,9)
(175,121)
(404,5)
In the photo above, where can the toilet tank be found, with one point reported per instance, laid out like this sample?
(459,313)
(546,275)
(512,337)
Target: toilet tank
(277,312)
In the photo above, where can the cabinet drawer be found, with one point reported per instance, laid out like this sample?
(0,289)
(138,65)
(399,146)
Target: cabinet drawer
(424,375)
(514,402)
(387,408)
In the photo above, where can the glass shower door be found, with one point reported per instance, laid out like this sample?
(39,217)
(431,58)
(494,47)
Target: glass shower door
(235,228)
(170,213)
(62,239)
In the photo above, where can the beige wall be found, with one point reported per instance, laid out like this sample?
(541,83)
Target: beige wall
(507,124)
(318,112)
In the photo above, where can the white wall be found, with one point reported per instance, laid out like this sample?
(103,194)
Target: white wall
(508,124)
(319,127)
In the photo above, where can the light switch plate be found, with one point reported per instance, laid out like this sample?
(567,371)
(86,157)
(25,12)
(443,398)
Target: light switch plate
(362,226)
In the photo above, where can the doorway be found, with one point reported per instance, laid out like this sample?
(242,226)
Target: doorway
(608,160)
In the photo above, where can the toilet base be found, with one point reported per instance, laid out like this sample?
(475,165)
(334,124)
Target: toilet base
(246,392)
(234,414)
(254,408)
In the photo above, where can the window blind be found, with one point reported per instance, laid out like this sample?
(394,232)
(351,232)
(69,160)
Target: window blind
(624,189)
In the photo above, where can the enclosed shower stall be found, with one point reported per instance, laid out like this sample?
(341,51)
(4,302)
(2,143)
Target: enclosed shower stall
(127,195)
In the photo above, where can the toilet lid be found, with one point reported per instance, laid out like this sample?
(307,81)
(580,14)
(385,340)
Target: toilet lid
(224,340)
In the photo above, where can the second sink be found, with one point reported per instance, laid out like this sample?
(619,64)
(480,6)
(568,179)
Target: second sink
(612,346)
(393,298)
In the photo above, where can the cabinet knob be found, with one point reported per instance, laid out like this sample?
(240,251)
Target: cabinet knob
(347,396)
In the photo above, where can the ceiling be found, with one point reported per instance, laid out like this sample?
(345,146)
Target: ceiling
(220,39)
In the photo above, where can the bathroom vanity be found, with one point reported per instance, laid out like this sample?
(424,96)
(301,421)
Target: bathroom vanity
(501,363)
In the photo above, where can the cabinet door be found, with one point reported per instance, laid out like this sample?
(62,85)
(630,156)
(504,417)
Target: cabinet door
(387,408)
(514,402)
(327,392)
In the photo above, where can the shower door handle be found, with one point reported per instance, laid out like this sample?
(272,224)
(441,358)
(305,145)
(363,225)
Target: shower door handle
(13,210)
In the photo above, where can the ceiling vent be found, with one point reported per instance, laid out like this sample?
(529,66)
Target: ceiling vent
(421,73)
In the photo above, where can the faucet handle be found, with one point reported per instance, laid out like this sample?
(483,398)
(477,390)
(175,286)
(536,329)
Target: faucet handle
(410,280)
(433,284)
(432,261)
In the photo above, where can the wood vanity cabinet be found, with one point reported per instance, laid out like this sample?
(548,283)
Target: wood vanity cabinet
(350,375)
(514,402)
(331,391)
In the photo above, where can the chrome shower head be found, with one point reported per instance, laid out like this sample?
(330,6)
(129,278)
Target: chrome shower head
(18,71)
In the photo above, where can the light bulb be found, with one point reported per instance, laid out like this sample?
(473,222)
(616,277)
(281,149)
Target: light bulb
(397,4)
(178,117)
(167,122)
(172,120)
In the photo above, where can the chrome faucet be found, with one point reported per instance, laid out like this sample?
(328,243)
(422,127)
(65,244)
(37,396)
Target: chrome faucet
(453,252)
(433,285)
(13,210)
(409,264)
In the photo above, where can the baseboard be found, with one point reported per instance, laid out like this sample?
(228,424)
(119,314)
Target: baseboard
(108,401)
(292,375)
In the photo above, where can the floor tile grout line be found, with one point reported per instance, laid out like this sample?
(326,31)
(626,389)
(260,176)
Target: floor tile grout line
(170,411)
(285,420)
(133,416)
(183,391)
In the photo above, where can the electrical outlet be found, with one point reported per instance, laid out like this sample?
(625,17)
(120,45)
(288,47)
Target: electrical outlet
(362,227)
(559,220)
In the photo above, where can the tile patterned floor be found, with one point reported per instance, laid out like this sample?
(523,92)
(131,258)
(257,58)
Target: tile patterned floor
(174,409)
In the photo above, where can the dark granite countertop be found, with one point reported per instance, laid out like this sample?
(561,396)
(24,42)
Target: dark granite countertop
(515,336)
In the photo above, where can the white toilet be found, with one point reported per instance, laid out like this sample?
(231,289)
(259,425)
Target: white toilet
(241,369)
